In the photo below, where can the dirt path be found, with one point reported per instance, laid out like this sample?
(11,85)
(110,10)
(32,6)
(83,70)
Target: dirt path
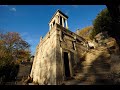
(75,82)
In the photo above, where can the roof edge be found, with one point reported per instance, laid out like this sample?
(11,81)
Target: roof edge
(59,12)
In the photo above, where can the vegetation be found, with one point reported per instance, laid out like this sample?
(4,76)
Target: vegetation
(85,32)
(103,22)
(13,49)
(105,57)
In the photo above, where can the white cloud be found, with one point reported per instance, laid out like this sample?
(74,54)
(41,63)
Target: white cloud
(9,8)
(13,9)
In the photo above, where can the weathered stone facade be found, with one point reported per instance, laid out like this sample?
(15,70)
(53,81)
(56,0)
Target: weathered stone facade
(58,53)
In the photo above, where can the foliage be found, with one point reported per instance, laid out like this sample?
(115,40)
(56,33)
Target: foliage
(103,22)
(12,49)
(13,44)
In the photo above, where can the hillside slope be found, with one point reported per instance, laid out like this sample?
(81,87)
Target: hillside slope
(85,32)
(101,64)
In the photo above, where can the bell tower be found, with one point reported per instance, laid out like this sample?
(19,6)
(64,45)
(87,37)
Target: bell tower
(59,18)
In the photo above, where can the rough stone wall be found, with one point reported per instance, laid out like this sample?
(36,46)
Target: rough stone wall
(44,65)
(48,66)
(71,43)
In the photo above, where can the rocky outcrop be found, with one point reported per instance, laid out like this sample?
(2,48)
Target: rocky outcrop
(100,62)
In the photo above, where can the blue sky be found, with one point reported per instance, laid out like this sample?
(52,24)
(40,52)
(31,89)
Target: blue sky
(31,21)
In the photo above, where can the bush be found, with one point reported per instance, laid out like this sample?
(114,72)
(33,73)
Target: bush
(9,72)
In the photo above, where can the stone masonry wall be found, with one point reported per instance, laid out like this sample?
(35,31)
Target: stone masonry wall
(48,65)
(44,65)
(67,41)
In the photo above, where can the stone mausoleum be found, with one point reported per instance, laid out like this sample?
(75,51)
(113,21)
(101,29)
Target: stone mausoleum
(58,53)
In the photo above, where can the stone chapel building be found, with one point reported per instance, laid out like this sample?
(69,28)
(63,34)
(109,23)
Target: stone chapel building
(57,53)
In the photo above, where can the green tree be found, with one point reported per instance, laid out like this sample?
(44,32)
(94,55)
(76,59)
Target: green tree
(103,22)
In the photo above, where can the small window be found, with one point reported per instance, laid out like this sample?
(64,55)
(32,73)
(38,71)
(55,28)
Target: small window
(60,20)
(62,35)
(54,23)
(73,43)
